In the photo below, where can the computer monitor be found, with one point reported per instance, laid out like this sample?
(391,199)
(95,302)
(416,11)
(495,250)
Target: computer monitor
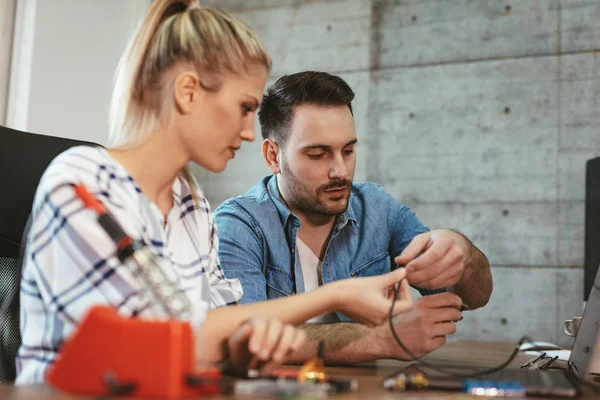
(592,224)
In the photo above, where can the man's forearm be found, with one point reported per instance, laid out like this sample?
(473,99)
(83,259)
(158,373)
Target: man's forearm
(345,343)
(221,322)
(475,286)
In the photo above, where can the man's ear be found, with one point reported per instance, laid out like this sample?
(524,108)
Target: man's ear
(270,151)
(187,90)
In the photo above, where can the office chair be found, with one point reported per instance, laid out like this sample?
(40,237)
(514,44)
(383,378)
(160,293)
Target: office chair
(23,159)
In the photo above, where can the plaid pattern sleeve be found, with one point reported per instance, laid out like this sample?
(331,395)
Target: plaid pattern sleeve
(69,266)
(222,291)
(70,262)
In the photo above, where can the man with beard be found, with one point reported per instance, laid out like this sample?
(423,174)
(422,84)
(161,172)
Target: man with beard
(308,224)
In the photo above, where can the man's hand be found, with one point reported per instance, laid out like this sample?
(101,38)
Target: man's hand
(435,259)
(262,344)
(422,330)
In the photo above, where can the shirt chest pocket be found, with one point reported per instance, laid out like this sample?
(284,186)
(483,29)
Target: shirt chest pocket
(377,266)
(279,283)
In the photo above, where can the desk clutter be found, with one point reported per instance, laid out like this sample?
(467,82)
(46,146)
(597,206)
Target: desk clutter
(87,367)
(283,383)
(311,380)
(477,387)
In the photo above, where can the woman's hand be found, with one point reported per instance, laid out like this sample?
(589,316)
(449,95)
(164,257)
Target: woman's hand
(368,300)
(262,344)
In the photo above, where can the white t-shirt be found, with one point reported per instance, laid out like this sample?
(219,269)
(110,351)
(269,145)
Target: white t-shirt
(312,272)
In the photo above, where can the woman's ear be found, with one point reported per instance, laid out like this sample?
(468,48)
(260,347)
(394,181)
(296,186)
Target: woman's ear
(187,89)
(270,151)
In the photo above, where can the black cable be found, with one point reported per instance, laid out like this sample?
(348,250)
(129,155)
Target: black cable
(524,339)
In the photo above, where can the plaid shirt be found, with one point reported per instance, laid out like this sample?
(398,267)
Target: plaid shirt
(71,264)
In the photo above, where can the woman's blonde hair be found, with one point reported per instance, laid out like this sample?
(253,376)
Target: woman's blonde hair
(174,32)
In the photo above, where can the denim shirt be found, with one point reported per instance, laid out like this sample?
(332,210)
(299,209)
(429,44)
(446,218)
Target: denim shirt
(257,235)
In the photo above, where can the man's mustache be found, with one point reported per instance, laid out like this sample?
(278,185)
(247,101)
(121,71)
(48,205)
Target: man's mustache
(336,184)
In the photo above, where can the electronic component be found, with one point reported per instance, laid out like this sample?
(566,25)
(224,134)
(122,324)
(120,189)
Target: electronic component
(489,388)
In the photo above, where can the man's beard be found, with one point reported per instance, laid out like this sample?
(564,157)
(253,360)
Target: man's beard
(303,198)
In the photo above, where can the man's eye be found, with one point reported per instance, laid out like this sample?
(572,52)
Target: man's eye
(348,152)
(316,156)
(246,109)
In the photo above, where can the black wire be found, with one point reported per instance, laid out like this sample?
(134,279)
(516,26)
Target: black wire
(478,373)
(572,369)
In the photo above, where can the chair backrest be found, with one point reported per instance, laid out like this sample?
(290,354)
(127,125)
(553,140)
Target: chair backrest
(23,159)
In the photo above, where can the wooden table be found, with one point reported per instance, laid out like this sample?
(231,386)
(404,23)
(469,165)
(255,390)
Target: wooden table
(368,375)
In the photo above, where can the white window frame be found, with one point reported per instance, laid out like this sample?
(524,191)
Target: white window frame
(21,61)
(7,25)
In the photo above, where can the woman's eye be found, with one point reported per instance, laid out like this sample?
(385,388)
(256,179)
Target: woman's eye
(246,109)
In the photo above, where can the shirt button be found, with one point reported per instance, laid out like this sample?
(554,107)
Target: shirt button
(293,250)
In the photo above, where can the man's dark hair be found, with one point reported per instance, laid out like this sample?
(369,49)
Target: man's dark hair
(309,87)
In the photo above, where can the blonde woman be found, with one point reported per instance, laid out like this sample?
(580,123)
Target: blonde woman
(186,90)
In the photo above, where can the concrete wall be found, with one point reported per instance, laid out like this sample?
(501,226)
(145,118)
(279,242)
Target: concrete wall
(479,115)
